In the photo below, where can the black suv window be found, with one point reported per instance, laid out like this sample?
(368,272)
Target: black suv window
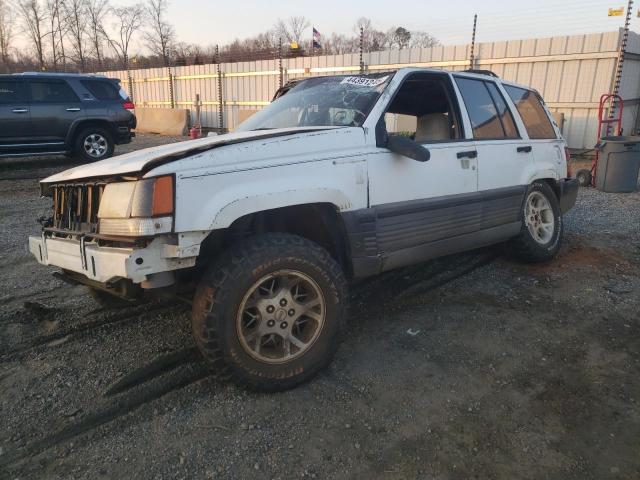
(11,91)
(51,91)
(102,89)
(490,117)
(532,112)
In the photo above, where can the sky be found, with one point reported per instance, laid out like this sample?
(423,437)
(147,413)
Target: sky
(210,22)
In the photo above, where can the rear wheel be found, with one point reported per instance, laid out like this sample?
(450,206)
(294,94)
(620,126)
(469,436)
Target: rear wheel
(269,312)
(542,226)
(93,144)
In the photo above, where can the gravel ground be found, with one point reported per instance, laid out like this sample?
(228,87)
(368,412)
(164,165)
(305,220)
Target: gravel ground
(471,366)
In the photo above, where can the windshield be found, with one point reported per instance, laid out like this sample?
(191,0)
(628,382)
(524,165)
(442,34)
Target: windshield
(341,101)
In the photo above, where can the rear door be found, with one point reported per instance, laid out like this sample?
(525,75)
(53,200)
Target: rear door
(544,138)
(14,112)
(504,157)
(54,108)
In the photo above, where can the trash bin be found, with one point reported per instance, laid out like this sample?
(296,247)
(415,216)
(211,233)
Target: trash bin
(618,164)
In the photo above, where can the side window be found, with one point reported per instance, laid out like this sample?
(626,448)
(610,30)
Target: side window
(51,91)
(102,89)
(532,112)
(504,113)
(490,117)
(423,110)
(11,92)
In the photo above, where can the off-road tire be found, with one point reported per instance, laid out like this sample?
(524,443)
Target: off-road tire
(79,151)
(524,247)
(584,177)
(220,294)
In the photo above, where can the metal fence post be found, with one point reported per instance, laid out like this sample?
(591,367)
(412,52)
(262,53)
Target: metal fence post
(620,65)
(220,99)
(130,83)
(472,58)
(172,99)
(280,61)
(361,50)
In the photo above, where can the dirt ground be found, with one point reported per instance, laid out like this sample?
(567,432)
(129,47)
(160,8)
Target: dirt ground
(468,367)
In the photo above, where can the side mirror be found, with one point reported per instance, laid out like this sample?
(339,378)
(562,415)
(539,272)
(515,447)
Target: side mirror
(407,147)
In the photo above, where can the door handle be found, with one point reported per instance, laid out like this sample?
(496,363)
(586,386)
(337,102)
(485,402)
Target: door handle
(20,110)
(468,154)
(73,109)
(526,149)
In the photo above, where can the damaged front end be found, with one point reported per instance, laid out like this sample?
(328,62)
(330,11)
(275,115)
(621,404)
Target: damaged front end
(114,234)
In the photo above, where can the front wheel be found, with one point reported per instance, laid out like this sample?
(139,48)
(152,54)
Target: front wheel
(270,311)
(542,226)
(93,144)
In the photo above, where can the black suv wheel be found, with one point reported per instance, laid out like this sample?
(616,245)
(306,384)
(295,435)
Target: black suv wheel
(93,144)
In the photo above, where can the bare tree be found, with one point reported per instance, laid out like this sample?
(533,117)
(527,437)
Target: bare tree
(128,21)
(97,11)
(291,29)
(75,15)
(6,31)
(423,40)
(399,37)
(33,18)
(55,33)
(160,35)
(373,40)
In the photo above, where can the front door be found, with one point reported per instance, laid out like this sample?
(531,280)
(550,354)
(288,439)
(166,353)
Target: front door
(54,108)
(422,203)
(14,113)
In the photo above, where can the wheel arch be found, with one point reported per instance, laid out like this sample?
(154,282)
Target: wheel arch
(81,124)
(319,222)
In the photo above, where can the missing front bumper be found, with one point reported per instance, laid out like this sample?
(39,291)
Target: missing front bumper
(107,264)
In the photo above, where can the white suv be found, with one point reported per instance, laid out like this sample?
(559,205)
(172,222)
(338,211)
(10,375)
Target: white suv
(340,178)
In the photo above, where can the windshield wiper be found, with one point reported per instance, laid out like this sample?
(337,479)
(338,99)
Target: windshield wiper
(262,128)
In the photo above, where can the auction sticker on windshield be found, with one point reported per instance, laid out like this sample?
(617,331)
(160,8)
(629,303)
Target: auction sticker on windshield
(364,82)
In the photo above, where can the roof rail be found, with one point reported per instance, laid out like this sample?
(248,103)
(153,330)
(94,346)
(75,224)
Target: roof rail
(481,72)
(59,74)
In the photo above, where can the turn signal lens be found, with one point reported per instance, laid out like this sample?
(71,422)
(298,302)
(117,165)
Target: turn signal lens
(162,196)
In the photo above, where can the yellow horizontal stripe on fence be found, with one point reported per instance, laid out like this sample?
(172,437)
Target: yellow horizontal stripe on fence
(238,103)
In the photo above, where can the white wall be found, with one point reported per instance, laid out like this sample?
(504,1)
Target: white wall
(571,72)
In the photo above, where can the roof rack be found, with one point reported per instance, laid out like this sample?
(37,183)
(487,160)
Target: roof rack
(481,72)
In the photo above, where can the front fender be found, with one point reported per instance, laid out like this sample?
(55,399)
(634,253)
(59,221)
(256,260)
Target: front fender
(259,203)
(213,202)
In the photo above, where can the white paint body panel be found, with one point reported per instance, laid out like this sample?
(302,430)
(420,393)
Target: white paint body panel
(338,166)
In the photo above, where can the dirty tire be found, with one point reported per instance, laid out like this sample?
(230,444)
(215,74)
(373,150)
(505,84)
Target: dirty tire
(525,247)
(106,144)
(224,289)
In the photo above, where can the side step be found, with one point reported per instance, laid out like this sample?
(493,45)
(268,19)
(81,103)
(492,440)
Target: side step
(32,154)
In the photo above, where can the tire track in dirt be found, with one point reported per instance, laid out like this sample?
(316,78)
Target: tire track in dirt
(76,332)
(178,376)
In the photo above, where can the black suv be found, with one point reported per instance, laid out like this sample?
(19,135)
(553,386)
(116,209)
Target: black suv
(76,115)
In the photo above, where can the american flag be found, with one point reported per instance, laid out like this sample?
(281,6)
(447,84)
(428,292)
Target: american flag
(316,39)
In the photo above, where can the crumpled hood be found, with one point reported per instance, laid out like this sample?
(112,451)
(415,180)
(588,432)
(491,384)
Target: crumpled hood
(148,158)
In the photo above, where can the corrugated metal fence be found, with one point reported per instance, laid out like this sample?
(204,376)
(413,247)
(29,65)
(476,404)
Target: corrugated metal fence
(571,72)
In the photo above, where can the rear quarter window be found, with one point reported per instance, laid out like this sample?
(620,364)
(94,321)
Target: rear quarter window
(102,89)
(532,112)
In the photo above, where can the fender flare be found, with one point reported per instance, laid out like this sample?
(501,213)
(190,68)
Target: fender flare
(241,207)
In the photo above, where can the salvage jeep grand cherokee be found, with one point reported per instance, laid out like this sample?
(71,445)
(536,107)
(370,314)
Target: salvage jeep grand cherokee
(339,178)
